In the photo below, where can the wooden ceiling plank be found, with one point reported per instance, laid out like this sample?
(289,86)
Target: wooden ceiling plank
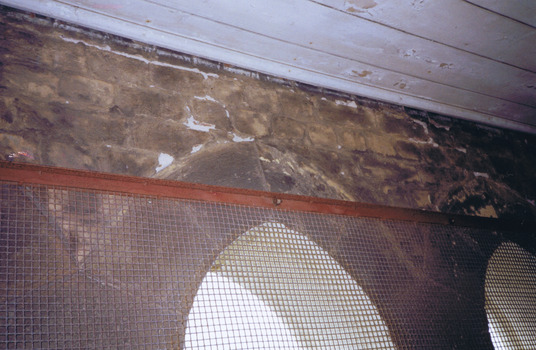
(348,37)
(455,23)
(523,11)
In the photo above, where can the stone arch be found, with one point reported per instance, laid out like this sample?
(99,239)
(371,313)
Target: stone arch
(290,288)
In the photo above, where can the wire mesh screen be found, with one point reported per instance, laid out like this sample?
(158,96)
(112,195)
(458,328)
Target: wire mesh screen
(83,269)
(510,289)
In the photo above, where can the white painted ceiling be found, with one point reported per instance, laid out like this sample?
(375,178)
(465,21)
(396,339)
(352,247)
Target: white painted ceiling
(472,59)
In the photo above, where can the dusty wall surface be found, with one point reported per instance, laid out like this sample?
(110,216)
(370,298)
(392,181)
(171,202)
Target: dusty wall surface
(77,98)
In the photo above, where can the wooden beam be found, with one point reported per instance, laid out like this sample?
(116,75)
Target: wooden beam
(28,174)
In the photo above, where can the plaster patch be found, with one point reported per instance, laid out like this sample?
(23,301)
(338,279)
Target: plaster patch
(484,175)
(351,104)
(237,138)
(139,58)
(439,126)
(423,124)
(196,148)
(211,99)
(429,142)
(164,161)
(206,98)
(193,124)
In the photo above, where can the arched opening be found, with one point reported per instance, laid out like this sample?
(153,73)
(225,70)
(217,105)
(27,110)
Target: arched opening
(274,288)
(511,298)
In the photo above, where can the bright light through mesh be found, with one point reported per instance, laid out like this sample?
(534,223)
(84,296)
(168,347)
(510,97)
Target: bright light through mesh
(274,288)
(511,298)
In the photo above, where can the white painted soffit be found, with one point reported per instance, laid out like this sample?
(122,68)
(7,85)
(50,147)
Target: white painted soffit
(474,60)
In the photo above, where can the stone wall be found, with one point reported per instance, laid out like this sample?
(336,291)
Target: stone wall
(77,98)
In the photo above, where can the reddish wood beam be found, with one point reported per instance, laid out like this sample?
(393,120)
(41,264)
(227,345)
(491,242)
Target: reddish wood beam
(22,173)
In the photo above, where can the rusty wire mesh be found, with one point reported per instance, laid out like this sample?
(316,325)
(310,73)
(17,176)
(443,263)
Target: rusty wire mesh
(83,269)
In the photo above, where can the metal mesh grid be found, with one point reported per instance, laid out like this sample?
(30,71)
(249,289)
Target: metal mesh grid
(86,269)
(510,288)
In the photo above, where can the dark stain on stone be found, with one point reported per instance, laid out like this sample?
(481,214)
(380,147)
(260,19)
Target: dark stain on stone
(8,117)
(408,149)
(403,174)
(35,118)
(340,114)
(279,182)
(320,188)
(329,162)
(29,38)
(435,155)
(56,107)
(503,166)
(363,194)
(174,79)
(116,110)
(405,127)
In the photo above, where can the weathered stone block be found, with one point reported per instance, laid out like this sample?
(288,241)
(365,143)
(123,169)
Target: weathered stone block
(78,89)
(206,109)
(175,79)
(353,140)
(231,92)
(260,97)
(435,155)
(40,85)
(65,155)
(408,149)
(285,172)
(288,128)
(84,128)
(251,122)
(381,144)
(322,136)
(102,65)
(18,114)
(166,136)
(340,112)
(149,102)
(128,161)
(65,57)
(406,128)
(294,105)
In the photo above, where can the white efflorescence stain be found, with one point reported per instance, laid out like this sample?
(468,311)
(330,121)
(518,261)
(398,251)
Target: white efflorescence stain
(237,138)
(206,98)
(350,104)
(164,161)
(193,124)
(142,59)
(212,99)
(196,148)
(484,175)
